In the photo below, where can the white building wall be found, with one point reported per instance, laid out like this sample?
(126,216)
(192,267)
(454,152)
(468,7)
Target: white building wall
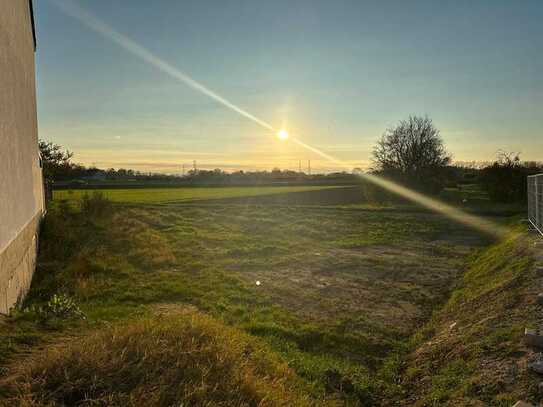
(21,186)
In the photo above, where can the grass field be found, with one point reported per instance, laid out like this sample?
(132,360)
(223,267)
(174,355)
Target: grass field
(335,292)
(162,195)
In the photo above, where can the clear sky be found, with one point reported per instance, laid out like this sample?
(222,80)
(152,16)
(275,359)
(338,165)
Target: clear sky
(336,73)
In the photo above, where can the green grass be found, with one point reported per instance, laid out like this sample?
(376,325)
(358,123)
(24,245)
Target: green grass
(490,270)
(342,289)
(482,359)
(162,195)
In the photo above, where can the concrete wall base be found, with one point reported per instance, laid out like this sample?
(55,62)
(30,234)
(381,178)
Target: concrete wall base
(17,265)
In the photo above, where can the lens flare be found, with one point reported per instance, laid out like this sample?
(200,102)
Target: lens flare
(282,134)
(435,205)
(73,10)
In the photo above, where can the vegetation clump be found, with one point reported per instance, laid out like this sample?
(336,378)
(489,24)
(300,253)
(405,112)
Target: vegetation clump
(187,360)
(58,306)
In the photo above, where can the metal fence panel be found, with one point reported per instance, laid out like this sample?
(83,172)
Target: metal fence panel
(535,201)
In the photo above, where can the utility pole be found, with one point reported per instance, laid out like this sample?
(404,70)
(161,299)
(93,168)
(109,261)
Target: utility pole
(183,170)
(309,167)
(300,166)
(194,166)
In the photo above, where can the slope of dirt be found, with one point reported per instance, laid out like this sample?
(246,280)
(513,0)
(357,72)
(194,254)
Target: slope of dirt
(472,351)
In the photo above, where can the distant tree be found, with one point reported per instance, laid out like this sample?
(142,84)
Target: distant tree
(505,179)
(55,160)
(111,173)
(413,153)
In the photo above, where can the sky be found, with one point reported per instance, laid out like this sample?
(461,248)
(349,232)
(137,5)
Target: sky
(336,74)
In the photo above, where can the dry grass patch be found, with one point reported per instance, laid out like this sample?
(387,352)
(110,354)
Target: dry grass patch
(187,360)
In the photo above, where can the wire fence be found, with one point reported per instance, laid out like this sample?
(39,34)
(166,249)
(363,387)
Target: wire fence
(535,201)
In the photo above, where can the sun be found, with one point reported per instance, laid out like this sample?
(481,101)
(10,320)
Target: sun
(282,134)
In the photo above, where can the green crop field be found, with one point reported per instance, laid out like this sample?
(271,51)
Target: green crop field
(161,195)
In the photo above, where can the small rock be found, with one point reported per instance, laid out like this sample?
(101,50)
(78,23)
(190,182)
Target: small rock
(540,298)
(536,363)
(257,282)
(426,379)
(533,337)
(536,366)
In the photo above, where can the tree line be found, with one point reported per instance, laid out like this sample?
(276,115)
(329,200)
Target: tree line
(412,153)
(59,169)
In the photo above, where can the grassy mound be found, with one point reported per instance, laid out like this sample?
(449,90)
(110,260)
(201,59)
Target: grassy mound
(187,360)
(471,352)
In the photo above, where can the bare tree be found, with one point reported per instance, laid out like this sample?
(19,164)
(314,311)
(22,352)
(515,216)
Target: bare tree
(411,151)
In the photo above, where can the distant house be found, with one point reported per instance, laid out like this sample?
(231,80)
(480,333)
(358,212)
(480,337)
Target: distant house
(21,186)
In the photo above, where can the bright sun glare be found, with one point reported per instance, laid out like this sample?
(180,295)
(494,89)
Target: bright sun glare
(282,134)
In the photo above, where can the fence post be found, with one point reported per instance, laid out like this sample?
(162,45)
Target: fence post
(537,207)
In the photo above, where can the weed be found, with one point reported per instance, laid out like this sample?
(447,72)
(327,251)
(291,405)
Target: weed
(58,306)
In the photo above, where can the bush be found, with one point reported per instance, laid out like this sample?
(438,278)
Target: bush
(505,180)
(187,360)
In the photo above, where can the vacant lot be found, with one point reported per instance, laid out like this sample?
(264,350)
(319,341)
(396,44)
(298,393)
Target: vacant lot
(335,291)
